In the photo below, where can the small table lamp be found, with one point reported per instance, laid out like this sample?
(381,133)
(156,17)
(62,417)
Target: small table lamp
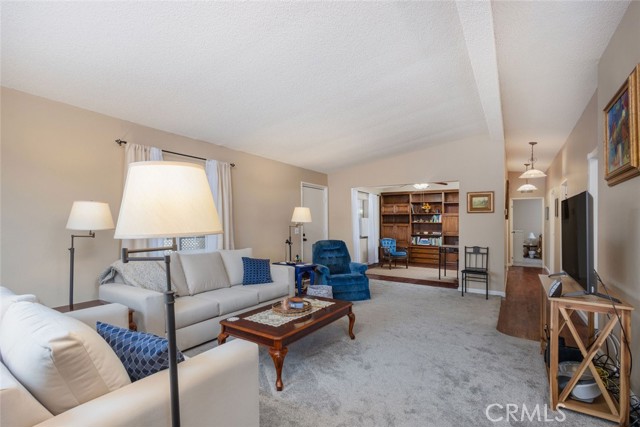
(92,216)
(300,215)
(160,200)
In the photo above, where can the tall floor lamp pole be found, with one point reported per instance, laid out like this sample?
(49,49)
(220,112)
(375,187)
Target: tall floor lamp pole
(86,216)
(169,302)
(72,251)
(166,200)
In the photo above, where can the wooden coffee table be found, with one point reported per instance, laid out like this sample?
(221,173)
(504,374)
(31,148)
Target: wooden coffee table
(277,338)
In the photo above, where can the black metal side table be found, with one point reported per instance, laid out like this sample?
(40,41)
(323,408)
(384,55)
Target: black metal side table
(442,258)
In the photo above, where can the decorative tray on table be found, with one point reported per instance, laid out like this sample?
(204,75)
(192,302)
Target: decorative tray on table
(284,308)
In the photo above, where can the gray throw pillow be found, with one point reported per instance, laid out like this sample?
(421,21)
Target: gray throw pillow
(204,272)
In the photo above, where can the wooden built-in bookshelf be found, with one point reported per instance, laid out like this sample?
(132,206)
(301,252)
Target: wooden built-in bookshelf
(422,221)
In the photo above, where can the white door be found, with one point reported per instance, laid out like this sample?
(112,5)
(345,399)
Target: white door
(527,223)
(517,240)
(315,198)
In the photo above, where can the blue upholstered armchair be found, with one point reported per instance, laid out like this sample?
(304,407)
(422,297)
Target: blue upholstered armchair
(334,268)
(392,253)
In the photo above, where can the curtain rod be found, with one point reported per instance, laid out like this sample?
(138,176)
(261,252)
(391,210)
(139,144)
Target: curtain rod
(120,142)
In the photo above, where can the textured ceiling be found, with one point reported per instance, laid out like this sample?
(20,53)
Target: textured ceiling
(321,85)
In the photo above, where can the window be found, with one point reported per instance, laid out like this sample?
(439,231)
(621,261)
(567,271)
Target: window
(195,243)
(187,243)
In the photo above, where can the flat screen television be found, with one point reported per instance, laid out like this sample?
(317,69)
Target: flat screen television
(578,240)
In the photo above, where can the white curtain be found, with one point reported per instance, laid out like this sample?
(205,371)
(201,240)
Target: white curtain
(355,225)
(374,228)
(219,176)
(140,153)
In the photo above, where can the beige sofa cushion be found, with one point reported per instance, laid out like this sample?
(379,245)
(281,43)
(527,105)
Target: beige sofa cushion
(17,406)
(7,297)
(233,264)
(59,359)
(191,310)
(232,299)
(204,272)
(269,291)
(178,280)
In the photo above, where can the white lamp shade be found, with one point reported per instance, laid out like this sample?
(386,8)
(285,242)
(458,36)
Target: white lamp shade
(533,173)
(527,188)
(300,215)
(90,216)
(532,236)
(166,199)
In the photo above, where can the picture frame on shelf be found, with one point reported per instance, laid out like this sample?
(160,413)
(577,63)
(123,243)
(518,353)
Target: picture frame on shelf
(480,202)
(621,137)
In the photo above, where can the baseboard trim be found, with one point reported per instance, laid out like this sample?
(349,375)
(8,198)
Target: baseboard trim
(483,292)
(438,284)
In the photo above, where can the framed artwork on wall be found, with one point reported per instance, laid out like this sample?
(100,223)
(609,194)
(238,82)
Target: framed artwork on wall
(480,202)
(621,140)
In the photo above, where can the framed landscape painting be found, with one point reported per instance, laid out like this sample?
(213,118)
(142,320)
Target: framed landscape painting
(478,202)
(621,145)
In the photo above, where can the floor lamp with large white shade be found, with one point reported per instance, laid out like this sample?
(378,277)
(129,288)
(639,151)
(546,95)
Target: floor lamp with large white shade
(86,215)
(166,200)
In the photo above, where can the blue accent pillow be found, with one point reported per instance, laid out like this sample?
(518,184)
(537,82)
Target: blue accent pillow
(141,353)
(256,271)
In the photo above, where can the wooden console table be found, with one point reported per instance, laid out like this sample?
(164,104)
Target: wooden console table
(555,314)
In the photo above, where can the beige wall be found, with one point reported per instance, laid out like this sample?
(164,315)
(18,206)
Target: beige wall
(53,154)
(618,215)
(619,206)
(465,161)
(569,167)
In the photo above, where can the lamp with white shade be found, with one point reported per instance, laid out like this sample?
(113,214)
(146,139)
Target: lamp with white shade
(526,187)
(301,215)
(166,200)
(91,216)
(533,172)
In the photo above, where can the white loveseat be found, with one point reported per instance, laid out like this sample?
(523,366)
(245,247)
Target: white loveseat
(220,385)
(209,289)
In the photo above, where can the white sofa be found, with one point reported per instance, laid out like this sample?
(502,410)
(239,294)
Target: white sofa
(209,288)
(220,385)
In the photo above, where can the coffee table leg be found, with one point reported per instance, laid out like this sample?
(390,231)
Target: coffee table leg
(278,356)
(352,321)
(222,338)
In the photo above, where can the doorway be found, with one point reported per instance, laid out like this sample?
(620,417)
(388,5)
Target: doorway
(315,198)
(526,231)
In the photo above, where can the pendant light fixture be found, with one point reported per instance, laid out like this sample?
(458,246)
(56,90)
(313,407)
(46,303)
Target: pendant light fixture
(526,187)
(533,172)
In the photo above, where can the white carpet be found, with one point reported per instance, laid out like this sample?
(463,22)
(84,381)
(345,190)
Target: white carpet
(422,356)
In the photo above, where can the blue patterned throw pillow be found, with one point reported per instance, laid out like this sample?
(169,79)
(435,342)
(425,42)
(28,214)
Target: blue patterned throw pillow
(256,271)
(142,354)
